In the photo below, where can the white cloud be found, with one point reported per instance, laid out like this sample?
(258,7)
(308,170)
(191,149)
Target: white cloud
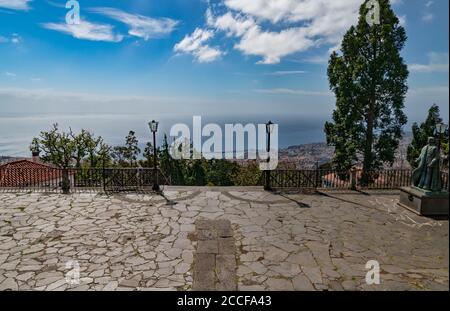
(15,39)
(428,17)
(15,4)
(274,29)
(233,25)
(403,20)
(272,46)
(300,25)
(10,74)
(140,26)
(195,44)
(87,31)
(437,62)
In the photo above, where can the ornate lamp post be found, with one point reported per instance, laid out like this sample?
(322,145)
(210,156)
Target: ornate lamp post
(154,128)
(441,129)
(269,129)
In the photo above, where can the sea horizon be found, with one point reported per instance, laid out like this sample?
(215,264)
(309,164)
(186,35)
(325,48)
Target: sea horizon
(114,127)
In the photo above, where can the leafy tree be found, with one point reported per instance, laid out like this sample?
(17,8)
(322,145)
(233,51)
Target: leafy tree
(165,160)
(171,168)
(198,177)
(248,175)
(194,172)
(104,154)
(81,148)
(422,132)
(369,82)
(59,148)
(127,155)
(220,172)
(148,155)
(93,147)
(119,154)
(131,148)
(35,146)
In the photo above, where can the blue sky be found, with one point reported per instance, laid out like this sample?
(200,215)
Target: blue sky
(218,57)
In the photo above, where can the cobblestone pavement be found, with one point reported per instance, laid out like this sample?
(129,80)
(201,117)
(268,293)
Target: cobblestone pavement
(282,242)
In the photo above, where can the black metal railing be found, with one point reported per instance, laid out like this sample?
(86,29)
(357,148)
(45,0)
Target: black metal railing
(80,179)
(142,179)
(354,179)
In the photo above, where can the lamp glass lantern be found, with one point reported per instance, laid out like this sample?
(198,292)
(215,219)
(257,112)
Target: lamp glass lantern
(153,126)
(441,128)
(269,127)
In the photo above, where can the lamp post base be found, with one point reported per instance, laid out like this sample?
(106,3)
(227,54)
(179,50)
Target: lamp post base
(156,188)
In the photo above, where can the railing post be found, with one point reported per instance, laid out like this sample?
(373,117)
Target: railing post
(103,176)
(267,186)
(353,178)
(317,176)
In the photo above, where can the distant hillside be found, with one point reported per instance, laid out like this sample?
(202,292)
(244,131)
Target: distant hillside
(5,159)
(308,155)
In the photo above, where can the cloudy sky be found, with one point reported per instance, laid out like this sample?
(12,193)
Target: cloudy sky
(222,57)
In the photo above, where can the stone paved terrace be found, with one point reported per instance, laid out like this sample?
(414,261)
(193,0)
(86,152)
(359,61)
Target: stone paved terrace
(282,242)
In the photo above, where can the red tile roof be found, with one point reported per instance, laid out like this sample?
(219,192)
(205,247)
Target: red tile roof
(27,173)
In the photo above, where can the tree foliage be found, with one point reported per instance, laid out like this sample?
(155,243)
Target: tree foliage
(422,132)
(127,154)
(369,81)
(67,149)
(84,150)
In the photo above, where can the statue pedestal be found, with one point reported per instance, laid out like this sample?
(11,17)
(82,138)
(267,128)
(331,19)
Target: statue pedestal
(424,203)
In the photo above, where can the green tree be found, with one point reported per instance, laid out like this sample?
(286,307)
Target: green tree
(104,154)
(221,172)
(198,173)
(422,132)
(58,148)
(148,155)
(35,146)
(132,150)
(119,154)
(194,172)
(248,175)
(127,155)
(369,81)
(80,145)
(170,167)
(93,147)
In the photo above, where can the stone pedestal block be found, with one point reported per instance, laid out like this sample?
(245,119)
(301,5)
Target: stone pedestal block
(424,203)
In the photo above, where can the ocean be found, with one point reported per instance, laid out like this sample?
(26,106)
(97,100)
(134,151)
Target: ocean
(17,130)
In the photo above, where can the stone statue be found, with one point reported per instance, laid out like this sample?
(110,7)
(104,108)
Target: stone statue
(427,176)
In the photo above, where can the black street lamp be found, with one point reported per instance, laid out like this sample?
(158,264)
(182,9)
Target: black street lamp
(269,129)
(441,129)
(154,128)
